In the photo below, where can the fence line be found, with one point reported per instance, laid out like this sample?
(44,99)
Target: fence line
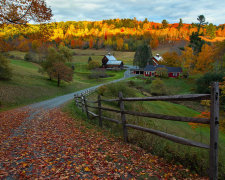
(213,121)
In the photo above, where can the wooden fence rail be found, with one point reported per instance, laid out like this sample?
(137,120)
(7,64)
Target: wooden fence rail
(82,103)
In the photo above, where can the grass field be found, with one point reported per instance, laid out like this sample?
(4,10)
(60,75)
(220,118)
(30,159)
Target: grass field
(29,86)
(193,158)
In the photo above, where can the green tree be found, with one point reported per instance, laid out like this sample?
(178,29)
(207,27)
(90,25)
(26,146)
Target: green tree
(5,71)
(211,31)
(164,23)
(143,56)
(93,64)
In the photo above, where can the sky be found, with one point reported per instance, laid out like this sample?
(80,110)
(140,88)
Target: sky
(154,10)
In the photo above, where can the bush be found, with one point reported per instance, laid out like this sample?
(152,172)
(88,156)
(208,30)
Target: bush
(31,57)
(158,88)
(114,89)
(98,73)
(89,59)
(203,83)
(148,81)
(93,64)
(5,70)
(131,83)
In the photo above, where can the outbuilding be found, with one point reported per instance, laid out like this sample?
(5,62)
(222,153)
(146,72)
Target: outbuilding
(109,61)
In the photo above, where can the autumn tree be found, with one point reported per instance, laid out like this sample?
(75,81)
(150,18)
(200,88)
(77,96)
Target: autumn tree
(205,60)
(55,56)
(22,11)
(61,72)
(5,71)
(171,59)
(143,56)
(188,59)
(119,43)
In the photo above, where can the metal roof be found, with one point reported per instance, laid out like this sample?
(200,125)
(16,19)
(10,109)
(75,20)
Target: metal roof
(113,62)
(158,58)
(111,58)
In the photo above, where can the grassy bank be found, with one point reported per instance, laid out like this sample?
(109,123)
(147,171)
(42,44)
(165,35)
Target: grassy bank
(193,158)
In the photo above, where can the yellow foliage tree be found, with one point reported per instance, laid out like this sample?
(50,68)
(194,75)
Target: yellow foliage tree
(119,43)
(188,59)
(205,59)
(171,59)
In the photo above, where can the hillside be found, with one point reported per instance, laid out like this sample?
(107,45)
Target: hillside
(194,158)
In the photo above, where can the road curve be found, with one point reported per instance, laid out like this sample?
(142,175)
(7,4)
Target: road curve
(58,101)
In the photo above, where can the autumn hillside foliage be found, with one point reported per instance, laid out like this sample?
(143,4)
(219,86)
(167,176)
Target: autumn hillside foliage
(119,34)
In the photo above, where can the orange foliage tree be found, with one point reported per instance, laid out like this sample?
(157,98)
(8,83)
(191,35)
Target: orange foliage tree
(21,11)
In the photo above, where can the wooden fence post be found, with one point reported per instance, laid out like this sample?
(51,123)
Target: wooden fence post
(75,99)
(214,129)
(99,110)
(86,108)
(123,117)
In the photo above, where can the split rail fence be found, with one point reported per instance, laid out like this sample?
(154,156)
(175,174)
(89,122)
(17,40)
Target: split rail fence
(83,103)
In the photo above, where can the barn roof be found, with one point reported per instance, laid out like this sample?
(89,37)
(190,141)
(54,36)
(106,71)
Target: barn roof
(113,62)
(110,57)
(158,57)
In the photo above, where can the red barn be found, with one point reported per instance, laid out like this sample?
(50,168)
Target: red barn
(150,71)
(109,61)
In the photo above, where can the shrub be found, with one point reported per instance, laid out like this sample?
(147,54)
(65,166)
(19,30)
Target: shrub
(93,64)
(131,83)
(148,81)
(101,90)
(89,59)
(98,73)
(158,87)
(5,70)
(203,83)
(114,89)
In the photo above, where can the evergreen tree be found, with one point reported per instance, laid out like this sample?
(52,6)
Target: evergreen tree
(143,56)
